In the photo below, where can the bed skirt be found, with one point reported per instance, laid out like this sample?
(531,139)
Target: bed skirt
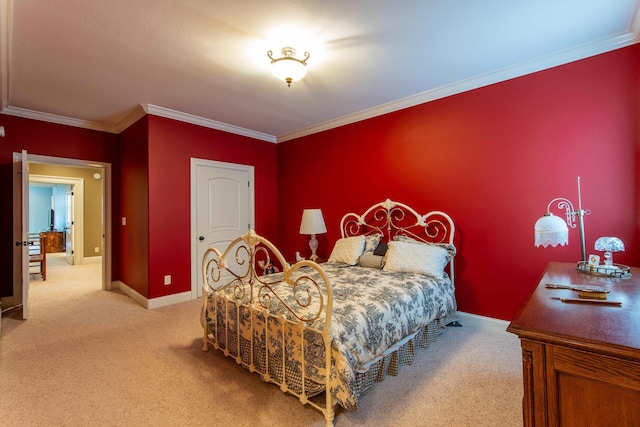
(390,363)
(400,355)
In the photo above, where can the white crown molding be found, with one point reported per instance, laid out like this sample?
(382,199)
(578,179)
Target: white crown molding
(54,118)
(208,123)
(136,114)
(473,83)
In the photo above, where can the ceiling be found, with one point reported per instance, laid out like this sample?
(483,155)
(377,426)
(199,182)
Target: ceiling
(103,64)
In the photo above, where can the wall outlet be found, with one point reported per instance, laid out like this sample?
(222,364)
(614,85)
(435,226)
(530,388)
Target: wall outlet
(167,279)
(96,249)
(124,220)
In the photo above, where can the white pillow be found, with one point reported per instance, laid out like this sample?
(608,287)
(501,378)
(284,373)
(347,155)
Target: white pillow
(348,250)
(411,258)
(451,250)
(371,242)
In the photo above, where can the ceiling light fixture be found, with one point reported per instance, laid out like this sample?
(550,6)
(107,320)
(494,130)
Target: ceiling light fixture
(288,68)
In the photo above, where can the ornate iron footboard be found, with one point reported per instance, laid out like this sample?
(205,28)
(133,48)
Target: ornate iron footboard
(237,293)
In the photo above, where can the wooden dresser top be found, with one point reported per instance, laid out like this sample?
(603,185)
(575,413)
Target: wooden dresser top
(613,329)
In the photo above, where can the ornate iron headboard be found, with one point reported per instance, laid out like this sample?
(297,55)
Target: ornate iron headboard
(392,219)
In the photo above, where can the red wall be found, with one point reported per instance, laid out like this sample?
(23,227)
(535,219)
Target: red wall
(171,146)
(492,158)
(134,206)
(53,140)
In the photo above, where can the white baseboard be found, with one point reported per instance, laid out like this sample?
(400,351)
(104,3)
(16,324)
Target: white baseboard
(153,302)
(482,322)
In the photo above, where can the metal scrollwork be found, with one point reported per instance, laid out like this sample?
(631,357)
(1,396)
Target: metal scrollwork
(436,230)
(305,291)
(393,218)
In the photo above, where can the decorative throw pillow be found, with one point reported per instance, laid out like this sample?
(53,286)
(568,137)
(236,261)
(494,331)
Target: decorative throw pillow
(451,250)
(412,258)
(371,242)
(348,250)
(381,249)
(370,260)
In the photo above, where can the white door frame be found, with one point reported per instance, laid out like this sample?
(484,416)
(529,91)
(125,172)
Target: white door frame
(195,162)
(106,206)
(78,210)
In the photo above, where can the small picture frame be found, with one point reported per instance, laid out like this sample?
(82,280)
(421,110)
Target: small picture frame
(594,260)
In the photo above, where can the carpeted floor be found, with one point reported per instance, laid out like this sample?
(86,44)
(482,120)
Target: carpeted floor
(88,357)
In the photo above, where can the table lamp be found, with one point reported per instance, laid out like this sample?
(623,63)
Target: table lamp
(312,223)
(608,245)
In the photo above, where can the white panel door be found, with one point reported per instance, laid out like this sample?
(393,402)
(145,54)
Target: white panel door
(223,208)
(20,296)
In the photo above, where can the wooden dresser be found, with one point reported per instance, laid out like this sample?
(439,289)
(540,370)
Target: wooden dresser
(581,362)
(53,240)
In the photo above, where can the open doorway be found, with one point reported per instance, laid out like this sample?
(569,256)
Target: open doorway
(80,214)
(57,212)
(63,220)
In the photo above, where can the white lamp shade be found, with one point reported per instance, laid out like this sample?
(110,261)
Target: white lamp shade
(551,230)
(312,222)
(288,68)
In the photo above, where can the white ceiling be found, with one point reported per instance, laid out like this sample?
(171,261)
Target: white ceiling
(102,64)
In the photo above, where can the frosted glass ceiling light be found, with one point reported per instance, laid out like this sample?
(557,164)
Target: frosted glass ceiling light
(288,68)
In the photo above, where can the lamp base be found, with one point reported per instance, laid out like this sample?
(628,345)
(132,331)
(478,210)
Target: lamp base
(313,245)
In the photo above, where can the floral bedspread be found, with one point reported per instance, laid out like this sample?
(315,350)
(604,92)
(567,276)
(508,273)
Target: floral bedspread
(373,310)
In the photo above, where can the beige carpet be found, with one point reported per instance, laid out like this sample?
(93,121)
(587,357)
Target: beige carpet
(87,357)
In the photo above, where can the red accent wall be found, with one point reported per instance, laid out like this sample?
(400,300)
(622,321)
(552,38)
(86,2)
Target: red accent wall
(134,207)
(171,145)
(492,158)
(53,140)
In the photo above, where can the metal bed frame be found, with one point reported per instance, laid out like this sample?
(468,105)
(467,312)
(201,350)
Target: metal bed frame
(240,269)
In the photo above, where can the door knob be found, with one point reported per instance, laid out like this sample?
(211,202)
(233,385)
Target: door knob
(201,238)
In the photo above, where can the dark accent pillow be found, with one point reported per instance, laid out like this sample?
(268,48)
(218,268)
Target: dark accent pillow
(381,249)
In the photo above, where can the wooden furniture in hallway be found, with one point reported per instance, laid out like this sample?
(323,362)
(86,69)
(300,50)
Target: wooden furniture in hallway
(38,253)
(54,241)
